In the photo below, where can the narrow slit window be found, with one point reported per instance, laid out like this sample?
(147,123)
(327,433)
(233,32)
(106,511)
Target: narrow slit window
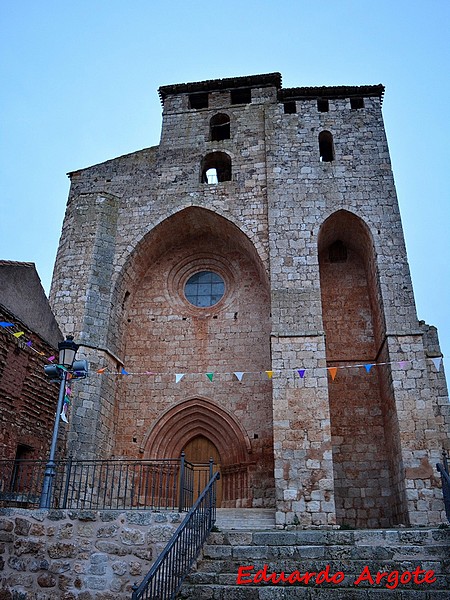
(337,252)
(241,96)
(198,100)
(219,127)
(326,146)
(290,108)
(356,103)
(323,105)
(215,168)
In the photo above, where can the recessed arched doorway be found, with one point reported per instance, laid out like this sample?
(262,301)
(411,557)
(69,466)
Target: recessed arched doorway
(202,429)
(198,452)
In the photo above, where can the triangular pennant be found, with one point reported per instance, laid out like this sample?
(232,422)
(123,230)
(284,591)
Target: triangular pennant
(210,376)
(19,334)
(29,343)
(63,414)
(239,375)
(269,374)
(437,362)
(101,370)
(368,367)
(333,371)
(123,372)
(179,377)
(51,358)
(301,373)
(6,324)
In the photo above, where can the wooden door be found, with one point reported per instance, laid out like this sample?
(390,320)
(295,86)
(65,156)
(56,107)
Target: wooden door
(198,452)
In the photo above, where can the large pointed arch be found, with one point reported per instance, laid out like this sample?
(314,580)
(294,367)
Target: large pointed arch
(193,417)
(364,425)
(174,231)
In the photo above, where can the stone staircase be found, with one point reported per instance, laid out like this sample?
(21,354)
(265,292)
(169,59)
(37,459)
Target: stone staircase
(336,558)
(242,519)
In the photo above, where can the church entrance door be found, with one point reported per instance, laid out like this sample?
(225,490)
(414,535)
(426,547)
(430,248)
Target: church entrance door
(198,451)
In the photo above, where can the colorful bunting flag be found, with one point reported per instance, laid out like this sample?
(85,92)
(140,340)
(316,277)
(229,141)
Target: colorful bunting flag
(239,375)
(6,324)
(368,367)
(51,358)
(101,370)
(123,372)
(210,376)
(19,334)
(437,362)
(269,374)
(179,377)
(301,373)
(333,371)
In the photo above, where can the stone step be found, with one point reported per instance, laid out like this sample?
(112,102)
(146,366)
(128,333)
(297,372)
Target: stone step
(348,552)
(226,592)
(245,519)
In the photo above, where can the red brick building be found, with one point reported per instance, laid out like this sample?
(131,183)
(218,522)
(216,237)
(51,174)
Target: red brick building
(28,337)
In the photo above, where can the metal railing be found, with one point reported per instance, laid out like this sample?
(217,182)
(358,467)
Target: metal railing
(116,484)
(164,579)
(445,477)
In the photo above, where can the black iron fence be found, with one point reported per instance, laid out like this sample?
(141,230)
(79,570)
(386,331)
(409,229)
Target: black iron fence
(445,477)
(164,579)
(116,484)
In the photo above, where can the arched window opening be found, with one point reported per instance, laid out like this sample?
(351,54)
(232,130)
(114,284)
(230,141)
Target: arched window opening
(326,146)
(216,167)
(219,128)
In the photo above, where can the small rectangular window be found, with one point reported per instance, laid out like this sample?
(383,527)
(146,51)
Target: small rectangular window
(241,96)
(356,103)
(322,105)
(199,100)
(290,108)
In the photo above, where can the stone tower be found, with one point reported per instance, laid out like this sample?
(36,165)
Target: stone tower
(244,291)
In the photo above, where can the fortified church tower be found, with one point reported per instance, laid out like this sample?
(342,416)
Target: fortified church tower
(244,291)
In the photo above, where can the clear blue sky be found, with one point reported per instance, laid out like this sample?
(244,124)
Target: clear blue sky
(79,85)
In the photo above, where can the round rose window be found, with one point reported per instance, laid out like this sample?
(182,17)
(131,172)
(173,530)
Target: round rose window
(204,289)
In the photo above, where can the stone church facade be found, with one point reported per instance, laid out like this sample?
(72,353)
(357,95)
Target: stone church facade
(242,291)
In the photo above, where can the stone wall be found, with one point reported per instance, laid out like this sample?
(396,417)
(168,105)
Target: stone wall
(78,555)
(134,223)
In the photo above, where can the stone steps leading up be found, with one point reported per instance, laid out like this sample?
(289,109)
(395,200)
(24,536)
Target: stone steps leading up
(352,553)
(250,519)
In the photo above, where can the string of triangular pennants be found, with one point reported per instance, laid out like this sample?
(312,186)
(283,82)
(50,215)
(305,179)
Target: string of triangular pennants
(19,335)
(239,375)
(437,361)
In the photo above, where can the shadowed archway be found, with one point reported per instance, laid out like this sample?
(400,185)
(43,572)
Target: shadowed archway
(200,417)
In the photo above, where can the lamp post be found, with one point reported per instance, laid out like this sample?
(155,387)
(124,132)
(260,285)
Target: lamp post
(67,351)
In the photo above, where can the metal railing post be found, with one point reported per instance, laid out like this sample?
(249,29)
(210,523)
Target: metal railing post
(182,481)
(445,460)
(67,483)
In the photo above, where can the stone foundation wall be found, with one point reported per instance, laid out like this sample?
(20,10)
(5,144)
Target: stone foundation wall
(78,555)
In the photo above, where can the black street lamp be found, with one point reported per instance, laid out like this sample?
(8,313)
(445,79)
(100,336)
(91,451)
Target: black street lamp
(60,372)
